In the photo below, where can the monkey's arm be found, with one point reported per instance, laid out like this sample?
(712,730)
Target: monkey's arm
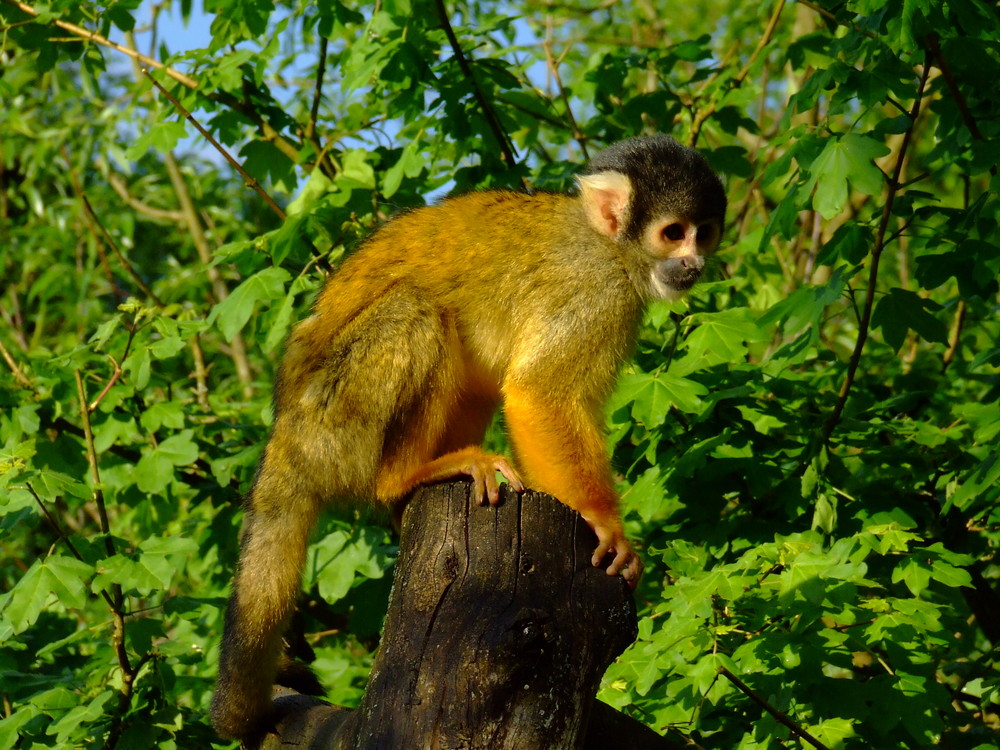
(561,451)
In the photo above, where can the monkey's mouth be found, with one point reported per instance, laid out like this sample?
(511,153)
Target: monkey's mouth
(679,274)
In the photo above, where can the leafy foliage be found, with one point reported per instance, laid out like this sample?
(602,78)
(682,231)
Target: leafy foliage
(807,446)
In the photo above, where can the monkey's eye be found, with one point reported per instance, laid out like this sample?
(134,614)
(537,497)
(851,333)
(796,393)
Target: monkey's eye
(706,234)
(674,232)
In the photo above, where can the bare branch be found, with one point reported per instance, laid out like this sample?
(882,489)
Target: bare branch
(19,375)
(484,104)
(283,144)
(163,215)
(98,39)
(250,181)
(702,115)
(880,242)
(782,718)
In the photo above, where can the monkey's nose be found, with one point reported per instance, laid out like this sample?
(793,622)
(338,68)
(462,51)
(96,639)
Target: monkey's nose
(691,262)
(681,273)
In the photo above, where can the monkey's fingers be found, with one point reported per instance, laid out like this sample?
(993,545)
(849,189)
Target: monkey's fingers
(513,478)
(484,477)
(488,476)
(630,565)
(626,561)
(484,474)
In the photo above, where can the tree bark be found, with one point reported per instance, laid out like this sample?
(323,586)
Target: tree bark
(497,635)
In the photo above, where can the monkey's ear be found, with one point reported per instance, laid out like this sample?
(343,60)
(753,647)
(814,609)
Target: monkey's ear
(606,197)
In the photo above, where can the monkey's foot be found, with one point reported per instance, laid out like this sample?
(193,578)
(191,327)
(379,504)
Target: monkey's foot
(612,541)
(471,462)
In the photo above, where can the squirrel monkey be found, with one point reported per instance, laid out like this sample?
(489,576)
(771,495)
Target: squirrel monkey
(447,311)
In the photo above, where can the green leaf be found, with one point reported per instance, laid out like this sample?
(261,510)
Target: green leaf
(232,314)
(355,171)
(718,338)
(268,165)
(410,164)
(341,558)
(315,188)
(833,732)
(64,578)
(162,136)
(900,311)
(982,484)
(151,568)
(155,470)
(85,714)
(851,242)
(9,725)
(652,395)
(845,160)
(169,414)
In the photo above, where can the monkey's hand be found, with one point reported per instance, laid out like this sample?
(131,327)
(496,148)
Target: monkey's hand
(611,541)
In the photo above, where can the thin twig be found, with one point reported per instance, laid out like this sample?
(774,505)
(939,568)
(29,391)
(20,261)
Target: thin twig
(250,181)
(492,120)
(111,381)
(200,374)
(831,17)
(190,217)
(129,671)
(317,91)
(702,115)
(880,241)
(162,215)
(782,718)
(100,232)
(283,144)
(955,338)
(19,375)
(98,39)
(553,66)
(934,45)
(95,472)
(61,535)
(97,224)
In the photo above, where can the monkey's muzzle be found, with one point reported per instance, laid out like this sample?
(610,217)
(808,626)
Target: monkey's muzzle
(681,273)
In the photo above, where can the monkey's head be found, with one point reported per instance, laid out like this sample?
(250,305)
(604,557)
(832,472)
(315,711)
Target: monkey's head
(661,200)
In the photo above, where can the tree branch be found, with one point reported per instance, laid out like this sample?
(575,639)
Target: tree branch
(283,144)
(98,39)
(189,216)
(492,120)
(880,241)
(19,375)
(162,215)
(101,234)
(782,718)
(702,115)
(218,147)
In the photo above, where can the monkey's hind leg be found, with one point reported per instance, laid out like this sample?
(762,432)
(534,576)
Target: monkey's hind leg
(339,400)
(272,554)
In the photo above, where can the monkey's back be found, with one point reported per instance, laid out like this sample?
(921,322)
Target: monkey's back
(498,261)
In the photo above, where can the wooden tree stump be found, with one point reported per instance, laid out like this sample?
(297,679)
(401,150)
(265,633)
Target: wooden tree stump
(497,635)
